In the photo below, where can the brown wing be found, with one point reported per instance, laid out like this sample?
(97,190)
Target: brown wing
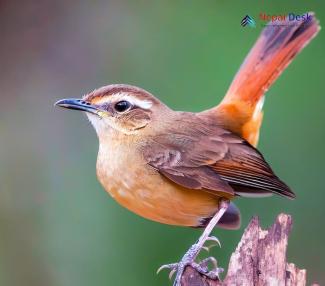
(178,157)
(246,170)
(215,161)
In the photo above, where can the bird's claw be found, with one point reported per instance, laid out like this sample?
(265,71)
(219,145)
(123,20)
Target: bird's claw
(173,269)
(214,239)
(212,260)
(213,274)
(215,270)
(206,248)
(171,266)
(201,267)
(171,273)
(189,260)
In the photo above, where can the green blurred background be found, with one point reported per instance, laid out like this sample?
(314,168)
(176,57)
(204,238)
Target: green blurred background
(57,225)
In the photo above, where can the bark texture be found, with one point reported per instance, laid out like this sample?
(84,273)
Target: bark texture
(259,259)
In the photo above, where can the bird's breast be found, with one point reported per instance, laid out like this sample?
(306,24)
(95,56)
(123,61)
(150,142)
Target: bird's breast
(141,189)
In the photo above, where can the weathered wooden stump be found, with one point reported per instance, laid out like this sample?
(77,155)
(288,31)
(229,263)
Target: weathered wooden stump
(259,259)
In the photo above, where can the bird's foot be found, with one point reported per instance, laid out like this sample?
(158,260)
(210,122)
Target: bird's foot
(189,260)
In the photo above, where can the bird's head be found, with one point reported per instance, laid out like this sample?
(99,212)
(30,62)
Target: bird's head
(121,108)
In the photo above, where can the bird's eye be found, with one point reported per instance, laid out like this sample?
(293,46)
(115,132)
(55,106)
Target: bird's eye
(122,106)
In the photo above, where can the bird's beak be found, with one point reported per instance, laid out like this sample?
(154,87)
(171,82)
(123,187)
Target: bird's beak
(79,104)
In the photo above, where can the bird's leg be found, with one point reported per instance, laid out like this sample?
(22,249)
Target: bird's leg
(189,258)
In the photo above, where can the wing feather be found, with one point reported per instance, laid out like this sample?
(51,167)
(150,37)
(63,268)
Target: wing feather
(215,160)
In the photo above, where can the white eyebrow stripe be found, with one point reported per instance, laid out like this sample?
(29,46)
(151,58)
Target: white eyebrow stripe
(144,104)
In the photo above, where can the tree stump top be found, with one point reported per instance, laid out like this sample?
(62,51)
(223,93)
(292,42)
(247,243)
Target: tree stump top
(259,259)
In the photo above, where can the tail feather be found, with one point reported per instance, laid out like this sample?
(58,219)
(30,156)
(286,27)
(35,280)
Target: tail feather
(272,53)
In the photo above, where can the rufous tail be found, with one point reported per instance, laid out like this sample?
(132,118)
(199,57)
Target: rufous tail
(278,44)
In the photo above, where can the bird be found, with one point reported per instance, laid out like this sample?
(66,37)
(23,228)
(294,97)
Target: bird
(183,168)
